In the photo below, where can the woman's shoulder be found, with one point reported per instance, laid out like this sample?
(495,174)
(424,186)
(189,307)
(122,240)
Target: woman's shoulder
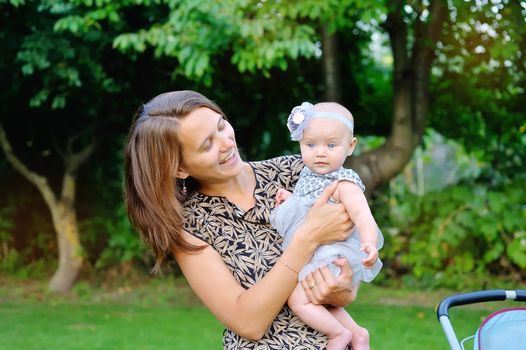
(282,162)
(196,216)
(282,171)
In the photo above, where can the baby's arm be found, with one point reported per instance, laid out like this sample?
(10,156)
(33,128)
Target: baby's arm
(281,196)
(358,209)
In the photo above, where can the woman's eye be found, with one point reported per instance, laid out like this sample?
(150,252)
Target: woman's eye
(222,124)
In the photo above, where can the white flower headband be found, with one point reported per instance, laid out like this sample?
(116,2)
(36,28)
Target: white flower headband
(300,117)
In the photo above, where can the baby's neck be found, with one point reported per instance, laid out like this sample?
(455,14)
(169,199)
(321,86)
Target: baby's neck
(321,174)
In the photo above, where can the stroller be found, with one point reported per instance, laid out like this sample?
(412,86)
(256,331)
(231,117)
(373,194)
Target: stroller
(504,329)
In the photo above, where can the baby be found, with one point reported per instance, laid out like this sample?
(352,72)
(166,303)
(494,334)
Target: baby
(325,133)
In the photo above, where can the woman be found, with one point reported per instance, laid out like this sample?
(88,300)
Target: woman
(191,197)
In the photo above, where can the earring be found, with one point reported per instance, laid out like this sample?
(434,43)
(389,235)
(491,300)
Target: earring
(183,190)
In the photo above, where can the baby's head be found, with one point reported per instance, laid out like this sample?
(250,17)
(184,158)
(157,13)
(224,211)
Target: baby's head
(325,133)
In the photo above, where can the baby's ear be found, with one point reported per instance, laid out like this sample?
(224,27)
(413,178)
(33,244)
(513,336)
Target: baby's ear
(354,141)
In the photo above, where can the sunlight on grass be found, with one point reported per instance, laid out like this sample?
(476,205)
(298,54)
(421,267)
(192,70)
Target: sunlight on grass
(166,315)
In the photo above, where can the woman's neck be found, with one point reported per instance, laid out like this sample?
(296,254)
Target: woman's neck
(237,187)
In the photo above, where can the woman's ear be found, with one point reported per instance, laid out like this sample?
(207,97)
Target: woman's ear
(181,174)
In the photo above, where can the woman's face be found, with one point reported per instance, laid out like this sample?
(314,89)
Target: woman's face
(209,150)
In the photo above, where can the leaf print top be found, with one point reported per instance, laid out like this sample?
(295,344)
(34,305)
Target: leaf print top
(250,247)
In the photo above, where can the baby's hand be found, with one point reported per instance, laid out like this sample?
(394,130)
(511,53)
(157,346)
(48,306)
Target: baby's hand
(372,254)
(281,196)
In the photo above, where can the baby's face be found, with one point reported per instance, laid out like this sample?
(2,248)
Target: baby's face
(325,145)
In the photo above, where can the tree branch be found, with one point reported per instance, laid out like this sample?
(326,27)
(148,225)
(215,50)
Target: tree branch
(426,37)
(331,68)
(397,30)
(75,160)
(39,181)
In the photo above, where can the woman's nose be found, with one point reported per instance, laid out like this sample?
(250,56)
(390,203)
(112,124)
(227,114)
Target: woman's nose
(227,143)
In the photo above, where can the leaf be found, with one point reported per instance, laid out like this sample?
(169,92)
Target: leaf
(517,251)
(59,102)
(496,202)
(39,98)
(201,65)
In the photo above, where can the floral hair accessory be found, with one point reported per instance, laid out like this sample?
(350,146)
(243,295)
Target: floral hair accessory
(300,117)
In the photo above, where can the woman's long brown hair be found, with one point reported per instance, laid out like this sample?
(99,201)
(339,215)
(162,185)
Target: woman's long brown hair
(152,194)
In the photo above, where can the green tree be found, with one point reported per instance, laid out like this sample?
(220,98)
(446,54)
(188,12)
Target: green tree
(258,36)
(82,64)
(55,79)
(261,35)
(479,84)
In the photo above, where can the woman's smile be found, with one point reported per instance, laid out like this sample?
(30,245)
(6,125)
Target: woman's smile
(232,155)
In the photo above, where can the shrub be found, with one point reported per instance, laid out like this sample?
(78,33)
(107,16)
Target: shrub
(463,235)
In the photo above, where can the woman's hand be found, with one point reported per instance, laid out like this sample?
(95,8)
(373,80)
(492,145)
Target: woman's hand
(327,223)
(322,287)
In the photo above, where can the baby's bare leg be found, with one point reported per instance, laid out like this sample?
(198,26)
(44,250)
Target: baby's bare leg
(360,335)
(319,318)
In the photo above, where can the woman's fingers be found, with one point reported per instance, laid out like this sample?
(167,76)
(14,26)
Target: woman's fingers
(309,285)
(346,272)
(327,193)
(314,286)
(322,287)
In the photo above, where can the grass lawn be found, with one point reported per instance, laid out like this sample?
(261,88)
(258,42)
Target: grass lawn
(164,314)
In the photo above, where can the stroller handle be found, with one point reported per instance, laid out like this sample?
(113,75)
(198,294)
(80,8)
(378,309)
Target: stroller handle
(471,298)
(477,297)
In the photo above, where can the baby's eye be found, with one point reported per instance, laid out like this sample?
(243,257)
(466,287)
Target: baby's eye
(310,145)
(331,145)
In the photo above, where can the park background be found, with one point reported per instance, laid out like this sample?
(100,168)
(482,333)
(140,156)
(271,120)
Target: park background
(437,89)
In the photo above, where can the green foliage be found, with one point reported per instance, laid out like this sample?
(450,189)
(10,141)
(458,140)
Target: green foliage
(110,239)
(15,3)
(106,230)
(464,230)
(63,63)
(480,79)
(81,63)
(6,223)
(257,36)
(10,259)
(24,251)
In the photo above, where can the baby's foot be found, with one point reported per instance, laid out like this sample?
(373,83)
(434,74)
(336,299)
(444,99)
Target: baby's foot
(340,341)
(360,339)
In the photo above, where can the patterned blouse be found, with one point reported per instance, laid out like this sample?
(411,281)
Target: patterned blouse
(250,247)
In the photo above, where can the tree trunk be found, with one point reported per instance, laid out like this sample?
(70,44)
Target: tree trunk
(62,212)
(331,68)
(69,248)
(411,76)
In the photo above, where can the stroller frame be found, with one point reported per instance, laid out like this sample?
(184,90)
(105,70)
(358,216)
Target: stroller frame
(471,298)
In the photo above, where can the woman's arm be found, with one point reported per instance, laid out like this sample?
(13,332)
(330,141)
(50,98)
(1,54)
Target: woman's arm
(249,312)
